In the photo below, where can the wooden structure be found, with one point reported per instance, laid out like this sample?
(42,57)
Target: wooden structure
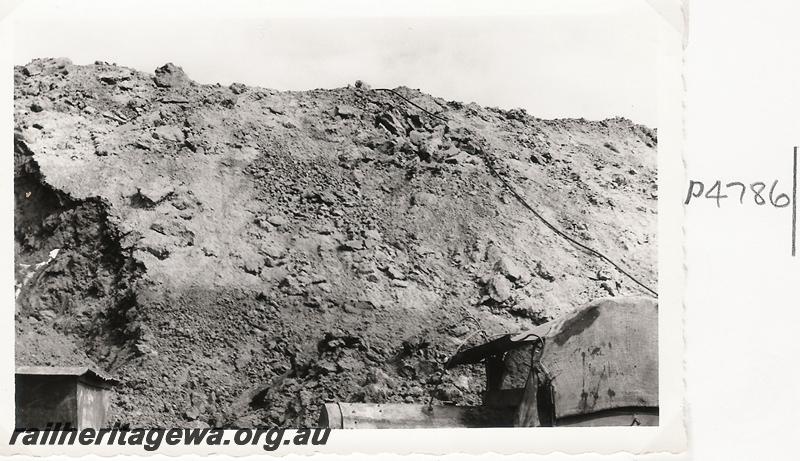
(50,395)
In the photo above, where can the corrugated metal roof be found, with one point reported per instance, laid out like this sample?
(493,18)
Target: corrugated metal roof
(66,371)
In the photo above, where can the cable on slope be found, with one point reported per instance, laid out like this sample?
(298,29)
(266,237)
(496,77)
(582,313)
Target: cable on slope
(489,161)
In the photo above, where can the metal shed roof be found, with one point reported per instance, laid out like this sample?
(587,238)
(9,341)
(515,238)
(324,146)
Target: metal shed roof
(84,372)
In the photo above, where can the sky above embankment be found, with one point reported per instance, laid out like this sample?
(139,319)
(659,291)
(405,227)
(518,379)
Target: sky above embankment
(567,58)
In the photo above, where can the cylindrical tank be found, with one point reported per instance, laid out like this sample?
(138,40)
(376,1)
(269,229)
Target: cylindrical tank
(342,415)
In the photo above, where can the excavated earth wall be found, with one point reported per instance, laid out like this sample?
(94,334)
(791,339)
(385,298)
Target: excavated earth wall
(238,256)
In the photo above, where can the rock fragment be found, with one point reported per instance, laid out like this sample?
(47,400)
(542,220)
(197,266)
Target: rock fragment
(345,111)
(510,269)
(423,199)
(39,66)
(460,330)
(394,273)
(192,413)
(277,220)
(182,235)
(352,245)
(170,133)
(156,248)
(156,192)
(603,274)
(543,273)
(253,264)
(448,393)
(388,122)
(32,69)
(238,88)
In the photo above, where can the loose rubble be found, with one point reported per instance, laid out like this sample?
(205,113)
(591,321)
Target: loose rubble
(239,256)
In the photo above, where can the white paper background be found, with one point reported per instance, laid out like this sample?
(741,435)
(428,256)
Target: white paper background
(742,317)
(742,121)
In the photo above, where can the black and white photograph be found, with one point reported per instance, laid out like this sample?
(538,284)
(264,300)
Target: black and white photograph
(363,221)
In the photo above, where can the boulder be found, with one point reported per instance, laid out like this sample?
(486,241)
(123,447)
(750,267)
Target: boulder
(170,76)
(499,288)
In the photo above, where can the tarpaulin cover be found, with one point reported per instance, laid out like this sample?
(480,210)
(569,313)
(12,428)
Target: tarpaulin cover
(603,356)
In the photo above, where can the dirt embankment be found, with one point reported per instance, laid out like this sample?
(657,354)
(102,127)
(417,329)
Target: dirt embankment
(239,255)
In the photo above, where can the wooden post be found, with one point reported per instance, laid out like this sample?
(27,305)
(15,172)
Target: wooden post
(494,372)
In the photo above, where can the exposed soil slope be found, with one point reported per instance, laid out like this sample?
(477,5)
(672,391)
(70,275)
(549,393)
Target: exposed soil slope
(239,255)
